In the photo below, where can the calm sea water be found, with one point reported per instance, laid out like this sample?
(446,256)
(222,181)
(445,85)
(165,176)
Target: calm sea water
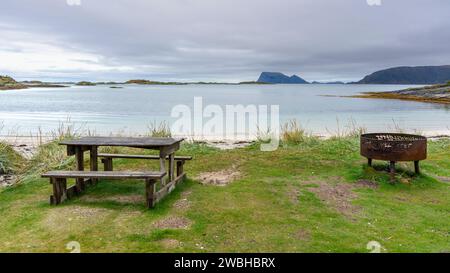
(132,109)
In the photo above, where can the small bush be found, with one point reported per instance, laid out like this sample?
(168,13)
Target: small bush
(10,160)
(292,132)
(160,130)
(50,156)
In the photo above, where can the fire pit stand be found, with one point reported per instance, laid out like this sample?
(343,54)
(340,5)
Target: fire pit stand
(394,148)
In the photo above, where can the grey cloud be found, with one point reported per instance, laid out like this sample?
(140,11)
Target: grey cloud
(235,40)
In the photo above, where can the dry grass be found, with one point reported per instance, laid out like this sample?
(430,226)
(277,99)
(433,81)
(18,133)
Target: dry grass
(292,132)
(159,130)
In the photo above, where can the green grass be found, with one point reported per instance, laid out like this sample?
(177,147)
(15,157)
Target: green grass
(272,207)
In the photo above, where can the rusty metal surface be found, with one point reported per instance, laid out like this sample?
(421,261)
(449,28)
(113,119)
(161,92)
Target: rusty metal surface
(394,147)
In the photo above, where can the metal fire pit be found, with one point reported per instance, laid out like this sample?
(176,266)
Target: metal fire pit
(393,148)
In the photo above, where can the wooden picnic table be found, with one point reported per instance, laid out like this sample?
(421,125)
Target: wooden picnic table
(77,147)
(166,146)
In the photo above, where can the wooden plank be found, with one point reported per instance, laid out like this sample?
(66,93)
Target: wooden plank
(152,157)
(169,187)
(170,149)
(139,142)
(103,174)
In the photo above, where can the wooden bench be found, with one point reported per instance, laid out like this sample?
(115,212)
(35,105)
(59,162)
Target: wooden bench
(61,192)
(107,160)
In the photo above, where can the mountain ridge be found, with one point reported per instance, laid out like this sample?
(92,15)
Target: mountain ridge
(409,75)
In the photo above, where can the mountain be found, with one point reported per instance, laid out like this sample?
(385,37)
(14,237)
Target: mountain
(277,77)
(409,75)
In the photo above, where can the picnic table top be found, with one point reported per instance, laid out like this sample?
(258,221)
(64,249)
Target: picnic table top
(142,142)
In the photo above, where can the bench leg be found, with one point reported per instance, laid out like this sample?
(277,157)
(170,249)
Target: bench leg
(108,164)
(59,190)
(416,167)
(392,170)
(180,165)
(150,192)
(369,162)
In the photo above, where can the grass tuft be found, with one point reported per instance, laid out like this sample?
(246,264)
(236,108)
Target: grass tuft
(159,130)
(292,132)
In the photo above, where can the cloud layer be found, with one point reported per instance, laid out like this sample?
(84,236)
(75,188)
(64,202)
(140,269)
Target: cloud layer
(219,40)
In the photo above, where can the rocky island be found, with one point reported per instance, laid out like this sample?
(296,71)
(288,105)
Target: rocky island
(8,83)
(439,93)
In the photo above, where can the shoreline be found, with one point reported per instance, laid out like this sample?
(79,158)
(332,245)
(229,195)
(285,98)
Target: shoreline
(27,145)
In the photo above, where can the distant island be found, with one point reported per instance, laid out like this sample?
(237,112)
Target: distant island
(425,75)
(8,83)
(409,75)
(147,82)
(277,77)
(85,83)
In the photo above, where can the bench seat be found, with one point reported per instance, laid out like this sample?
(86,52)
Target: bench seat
(103,174)
(60,191)
(183,158)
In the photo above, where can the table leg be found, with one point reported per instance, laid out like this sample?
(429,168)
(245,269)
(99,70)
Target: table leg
(162,167)
(392,170)
(416,167)
(79,155)
(171,166)
(94,160)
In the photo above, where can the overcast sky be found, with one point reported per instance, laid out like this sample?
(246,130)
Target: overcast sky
(219,40)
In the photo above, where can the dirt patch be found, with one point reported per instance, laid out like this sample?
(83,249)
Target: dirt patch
(338,195)
(170,243)
(367,184)
(123,199)
(293,194)
(302,235)
(444,179)
(186,194)
(69,217)
(220,178)
(182,204)
(173,222)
